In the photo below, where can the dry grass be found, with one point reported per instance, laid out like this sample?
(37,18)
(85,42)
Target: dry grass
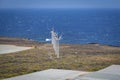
(89,57)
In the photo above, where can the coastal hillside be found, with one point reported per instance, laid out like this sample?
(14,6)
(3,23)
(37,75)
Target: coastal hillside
(84,57)
(18,41)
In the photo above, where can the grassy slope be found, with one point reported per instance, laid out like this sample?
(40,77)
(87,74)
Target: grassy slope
(89,57)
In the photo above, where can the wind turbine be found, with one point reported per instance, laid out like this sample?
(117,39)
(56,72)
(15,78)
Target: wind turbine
(55,42)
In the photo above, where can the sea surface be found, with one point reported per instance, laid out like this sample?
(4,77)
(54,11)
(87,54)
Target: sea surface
(77,26)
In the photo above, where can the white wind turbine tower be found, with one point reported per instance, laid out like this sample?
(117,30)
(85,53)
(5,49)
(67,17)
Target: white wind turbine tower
(55,42)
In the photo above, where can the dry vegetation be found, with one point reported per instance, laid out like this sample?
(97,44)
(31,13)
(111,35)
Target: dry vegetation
(89,57)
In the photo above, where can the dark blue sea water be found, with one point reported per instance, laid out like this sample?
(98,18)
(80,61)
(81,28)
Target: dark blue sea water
(78,26)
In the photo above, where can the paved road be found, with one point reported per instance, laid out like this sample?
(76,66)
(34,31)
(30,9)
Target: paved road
(50,74)
(4,49)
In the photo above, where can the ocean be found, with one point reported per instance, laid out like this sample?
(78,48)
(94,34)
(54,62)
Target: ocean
(77,26)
